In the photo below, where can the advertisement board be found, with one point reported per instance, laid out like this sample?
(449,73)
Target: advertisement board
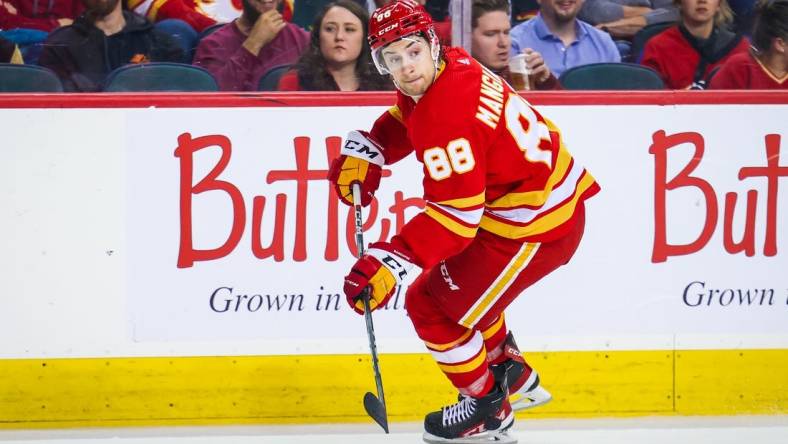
(199,227)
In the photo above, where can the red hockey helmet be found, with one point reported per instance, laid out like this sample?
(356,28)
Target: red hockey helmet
(397,20)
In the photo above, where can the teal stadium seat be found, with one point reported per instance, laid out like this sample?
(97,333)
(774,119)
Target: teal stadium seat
(270,80)
(28,78)
(611,76)
(161,77)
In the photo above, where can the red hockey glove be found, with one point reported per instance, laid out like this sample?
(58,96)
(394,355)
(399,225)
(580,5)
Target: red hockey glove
(381,269)
(360,162)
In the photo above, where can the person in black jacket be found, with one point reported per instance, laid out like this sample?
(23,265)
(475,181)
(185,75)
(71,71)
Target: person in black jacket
(103,38)
(7,50)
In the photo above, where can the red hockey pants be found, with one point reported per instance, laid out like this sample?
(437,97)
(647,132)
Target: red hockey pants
(457,306)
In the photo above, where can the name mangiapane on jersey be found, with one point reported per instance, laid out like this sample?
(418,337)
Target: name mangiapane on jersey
(491,99)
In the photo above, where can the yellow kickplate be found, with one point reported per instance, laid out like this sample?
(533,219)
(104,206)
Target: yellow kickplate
(732,382)
(36,393)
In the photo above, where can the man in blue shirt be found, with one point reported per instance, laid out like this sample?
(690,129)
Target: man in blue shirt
(562,39)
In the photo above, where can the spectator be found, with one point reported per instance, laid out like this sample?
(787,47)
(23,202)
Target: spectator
(103,38)
(40,15)
(766,65)
(338,58)
(27,23)
(182,20)
(241,52)
(685,54)
(563,40)
(185,10)
(491,44)
(623,18)
(9,52)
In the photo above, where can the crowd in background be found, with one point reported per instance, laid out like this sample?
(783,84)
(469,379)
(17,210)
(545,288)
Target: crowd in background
(314,45)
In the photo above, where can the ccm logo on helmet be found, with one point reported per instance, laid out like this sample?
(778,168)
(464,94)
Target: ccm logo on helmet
(388,28)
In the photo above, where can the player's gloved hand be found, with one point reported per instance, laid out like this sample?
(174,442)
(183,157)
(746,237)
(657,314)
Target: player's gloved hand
(360,161)
(381,268)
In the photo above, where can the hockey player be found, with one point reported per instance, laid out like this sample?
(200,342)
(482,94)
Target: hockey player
(504,207)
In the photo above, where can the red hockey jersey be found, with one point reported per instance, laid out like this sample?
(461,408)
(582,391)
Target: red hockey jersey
(675,59)
(490,162)
(744,71)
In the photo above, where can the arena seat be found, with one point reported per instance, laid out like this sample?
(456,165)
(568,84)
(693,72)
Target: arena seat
(28,78)
(160,76)
(611,76)
(270,80)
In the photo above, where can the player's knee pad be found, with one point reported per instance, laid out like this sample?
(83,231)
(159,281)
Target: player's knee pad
(418,302)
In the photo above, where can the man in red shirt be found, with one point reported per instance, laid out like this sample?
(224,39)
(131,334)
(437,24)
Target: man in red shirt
(504,208)
(244,50)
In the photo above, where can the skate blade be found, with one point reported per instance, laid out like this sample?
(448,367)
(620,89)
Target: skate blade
(489,437)
(530,399)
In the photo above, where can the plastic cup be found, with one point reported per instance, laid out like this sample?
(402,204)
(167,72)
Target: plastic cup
(518,71)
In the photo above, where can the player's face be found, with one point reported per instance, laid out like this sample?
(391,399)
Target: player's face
(490,41)
(341,35)
(561,11)
(699,11)
(409,60)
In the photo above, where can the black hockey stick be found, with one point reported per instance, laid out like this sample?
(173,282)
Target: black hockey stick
(375,406)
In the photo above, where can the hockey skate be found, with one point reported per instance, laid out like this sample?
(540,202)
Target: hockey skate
(472,420)
(525,392)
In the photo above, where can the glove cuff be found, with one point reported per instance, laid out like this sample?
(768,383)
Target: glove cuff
(396,260)
(359,144)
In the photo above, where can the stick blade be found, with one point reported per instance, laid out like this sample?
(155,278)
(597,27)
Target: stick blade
(376,410)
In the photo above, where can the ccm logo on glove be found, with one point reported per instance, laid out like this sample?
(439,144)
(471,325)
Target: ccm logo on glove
(359,144)
(393,265)
(382,269)
(360,162)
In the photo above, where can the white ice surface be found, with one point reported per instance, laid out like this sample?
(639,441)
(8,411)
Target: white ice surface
(651,430)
